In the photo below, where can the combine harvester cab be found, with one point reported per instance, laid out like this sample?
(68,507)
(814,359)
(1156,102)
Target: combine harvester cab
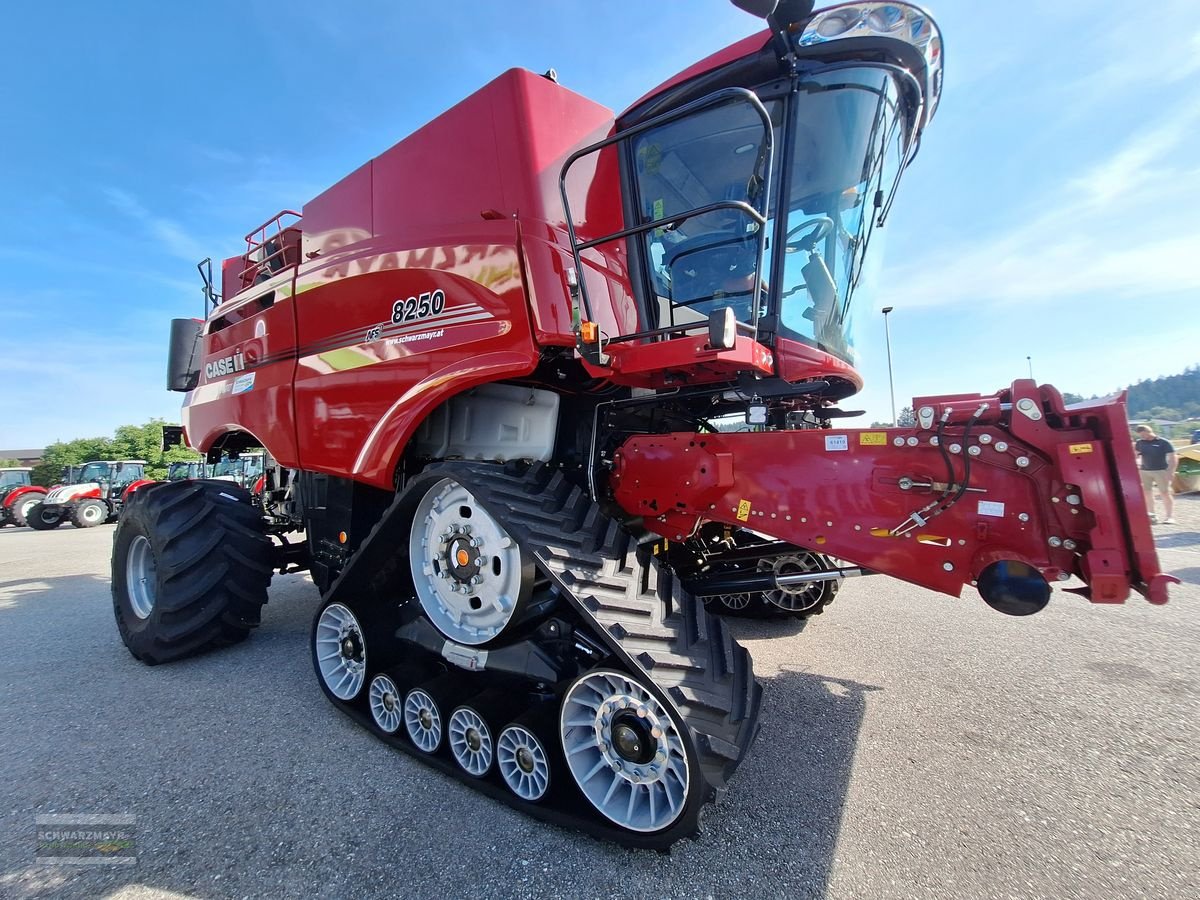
(491,387)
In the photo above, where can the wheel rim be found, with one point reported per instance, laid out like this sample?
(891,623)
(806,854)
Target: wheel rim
(523,762)
(141,576)
(799,597)
(624,751)
(385,703)
(422,720)
(90,513)
(736,602)
(341,651)
(467,571)
(26,506)
(470,741)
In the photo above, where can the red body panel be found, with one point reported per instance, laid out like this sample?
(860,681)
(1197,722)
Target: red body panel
(468,205)
(16,493)
(840,492)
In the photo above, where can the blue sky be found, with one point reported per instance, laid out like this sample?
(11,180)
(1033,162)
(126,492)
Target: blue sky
(1051,212)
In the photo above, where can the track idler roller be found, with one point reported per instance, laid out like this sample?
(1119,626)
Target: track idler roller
(525,760)
(427,707)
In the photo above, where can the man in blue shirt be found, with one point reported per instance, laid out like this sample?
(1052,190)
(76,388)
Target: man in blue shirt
(1157,458)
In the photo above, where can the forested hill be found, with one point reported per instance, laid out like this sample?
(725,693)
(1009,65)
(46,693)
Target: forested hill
(1169,397)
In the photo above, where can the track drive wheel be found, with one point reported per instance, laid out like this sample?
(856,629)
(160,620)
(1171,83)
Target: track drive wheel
(471,577)
(89,514)
(190,568)
(43,518)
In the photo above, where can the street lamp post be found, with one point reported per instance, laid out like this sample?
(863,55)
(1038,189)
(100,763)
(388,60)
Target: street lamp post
(891,380)
(1029,359)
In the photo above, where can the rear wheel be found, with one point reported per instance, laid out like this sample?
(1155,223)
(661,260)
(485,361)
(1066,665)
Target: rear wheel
(89,514)
(190,568)
(23,507)
(44,518)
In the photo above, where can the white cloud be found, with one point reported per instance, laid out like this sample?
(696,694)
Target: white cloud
(1124,228)
(170,235)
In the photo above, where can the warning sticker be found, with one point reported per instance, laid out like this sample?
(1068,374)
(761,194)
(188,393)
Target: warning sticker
(837,442)
(743,512)
(991,508)
(873,439)
(1080,448)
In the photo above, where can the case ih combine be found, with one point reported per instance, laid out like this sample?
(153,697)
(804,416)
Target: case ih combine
(18,495)
(95,495)
(491,365)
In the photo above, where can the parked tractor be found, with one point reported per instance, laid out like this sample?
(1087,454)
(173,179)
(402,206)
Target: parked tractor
(96,496)
(17,495)
(489,365)
(185,471)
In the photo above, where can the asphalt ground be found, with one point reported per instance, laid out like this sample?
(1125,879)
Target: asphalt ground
(913,745)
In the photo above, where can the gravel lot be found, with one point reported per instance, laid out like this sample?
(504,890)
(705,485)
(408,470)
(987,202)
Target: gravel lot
(912,745)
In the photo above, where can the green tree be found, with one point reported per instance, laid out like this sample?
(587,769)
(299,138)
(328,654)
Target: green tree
(9,463)
(128,442)
(907,418)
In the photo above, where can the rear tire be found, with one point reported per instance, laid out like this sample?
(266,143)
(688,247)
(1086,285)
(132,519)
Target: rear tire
(40,518)
(22,508)
(190,568)
(89,514)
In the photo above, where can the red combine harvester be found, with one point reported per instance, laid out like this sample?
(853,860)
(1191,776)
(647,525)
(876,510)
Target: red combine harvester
(492,368)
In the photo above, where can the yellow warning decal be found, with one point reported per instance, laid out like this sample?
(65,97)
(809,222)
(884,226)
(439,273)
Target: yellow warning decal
(873,439)
(743,513)
(1080,448)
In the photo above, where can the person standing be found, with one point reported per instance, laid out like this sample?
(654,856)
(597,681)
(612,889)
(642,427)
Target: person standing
(1157,458)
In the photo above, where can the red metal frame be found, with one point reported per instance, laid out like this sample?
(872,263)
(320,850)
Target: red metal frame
(1059,497)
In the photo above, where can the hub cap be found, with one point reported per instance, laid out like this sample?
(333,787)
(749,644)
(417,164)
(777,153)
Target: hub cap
(470,741)
(341,651)
(141,576)
(422,720)
(385,703)
(467,571)
(624,751)
(523,762)
(90,512)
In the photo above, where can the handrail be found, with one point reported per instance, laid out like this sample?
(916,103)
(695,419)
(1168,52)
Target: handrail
(717,98)
(258,239)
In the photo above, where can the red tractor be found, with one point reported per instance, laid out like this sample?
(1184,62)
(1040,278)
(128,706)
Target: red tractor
(17,495)
(95,496)
(490,366)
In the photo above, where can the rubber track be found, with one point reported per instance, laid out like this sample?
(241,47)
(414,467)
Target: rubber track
(642,610)
(639,609)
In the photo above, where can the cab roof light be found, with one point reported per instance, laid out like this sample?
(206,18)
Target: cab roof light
(881,18)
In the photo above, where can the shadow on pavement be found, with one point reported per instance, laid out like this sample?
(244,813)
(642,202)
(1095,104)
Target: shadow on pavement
(1177,540)
(1190,575)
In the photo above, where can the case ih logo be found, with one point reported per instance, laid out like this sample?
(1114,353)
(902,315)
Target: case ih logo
(226,366)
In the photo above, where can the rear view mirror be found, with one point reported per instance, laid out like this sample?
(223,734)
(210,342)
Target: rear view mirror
(183,356)
(722,329)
